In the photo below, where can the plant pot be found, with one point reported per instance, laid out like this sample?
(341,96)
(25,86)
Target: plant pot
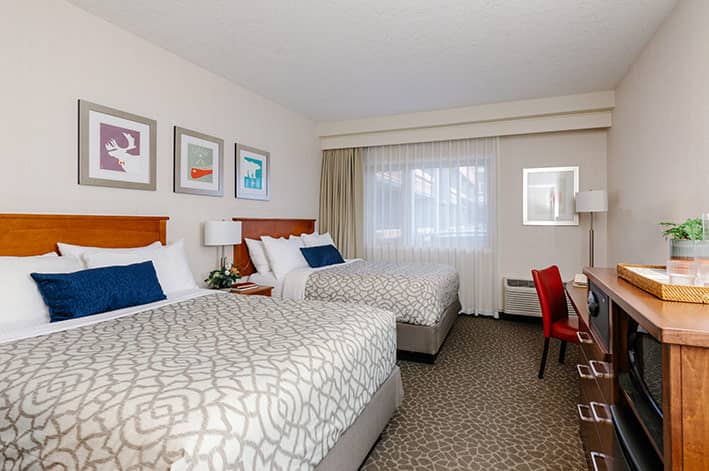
(701,254)
(683,249)
(682,265)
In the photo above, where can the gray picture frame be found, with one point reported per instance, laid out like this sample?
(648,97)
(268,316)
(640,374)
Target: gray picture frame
(244,193)
(178,134)
(85,109)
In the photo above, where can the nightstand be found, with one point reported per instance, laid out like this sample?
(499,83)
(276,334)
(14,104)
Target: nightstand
(257,291)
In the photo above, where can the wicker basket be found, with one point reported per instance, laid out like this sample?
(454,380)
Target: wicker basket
(666,292)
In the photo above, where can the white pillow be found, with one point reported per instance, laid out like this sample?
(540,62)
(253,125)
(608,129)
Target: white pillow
(284,255)
(258,255)
(21,304)
(170,264)
(69,250)
(316,240)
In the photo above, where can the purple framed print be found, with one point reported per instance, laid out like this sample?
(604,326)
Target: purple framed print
(116,148)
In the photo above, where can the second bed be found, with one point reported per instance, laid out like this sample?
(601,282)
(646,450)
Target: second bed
(424,297)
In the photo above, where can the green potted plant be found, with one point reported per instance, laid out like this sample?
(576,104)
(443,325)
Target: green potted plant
(683,238)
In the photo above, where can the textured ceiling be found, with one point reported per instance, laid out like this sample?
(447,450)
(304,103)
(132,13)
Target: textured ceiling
(341,59)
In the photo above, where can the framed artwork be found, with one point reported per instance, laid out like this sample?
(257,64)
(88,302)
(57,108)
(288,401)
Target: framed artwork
(116,149)
(199,163)
(253,168)
(548,196)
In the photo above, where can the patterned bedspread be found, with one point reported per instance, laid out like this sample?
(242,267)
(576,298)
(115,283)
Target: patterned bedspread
(416,293)
(220,381)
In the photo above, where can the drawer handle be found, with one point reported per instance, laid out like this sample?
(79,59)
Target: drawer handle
(586,417)
(603,418)
(600,369)
(584,337)
(585,372)
(598,456)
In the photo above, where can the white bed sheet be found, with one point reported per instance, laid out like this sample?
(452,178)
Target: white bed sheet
(276,381)
(268,279)
(49,328)
(293,284)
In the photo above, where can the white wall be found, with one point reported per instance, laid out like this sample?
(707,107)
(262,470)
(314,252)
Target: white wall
(658,148)
(52,53)
(522,247)
(542,115)
(560,131)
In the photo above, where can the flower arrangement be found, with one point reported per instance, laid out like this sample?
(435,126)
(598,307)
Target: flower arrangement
(223,277)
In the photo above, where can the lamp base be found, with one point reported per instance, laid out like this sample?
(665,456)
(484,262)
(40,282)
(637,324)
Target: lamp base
(590,243)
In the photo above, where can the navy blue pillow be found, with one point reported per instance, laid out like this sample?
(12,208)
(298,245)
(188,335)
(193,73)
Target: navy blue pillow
(87,292)
(322,256)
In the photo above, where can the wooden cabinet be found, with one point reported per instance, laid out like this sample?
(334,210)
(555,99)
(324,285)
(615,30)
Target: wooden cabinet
(594,370)
(679,440)
(686,424)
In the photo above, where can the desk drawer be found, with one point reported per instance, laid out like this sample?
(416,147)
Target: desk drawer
(597,412)
(589,345)
(602,462)
(599,372)
(596,431)
(587,430)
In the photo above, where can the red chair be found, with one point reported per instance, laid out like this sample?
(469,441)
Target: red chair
(555,312)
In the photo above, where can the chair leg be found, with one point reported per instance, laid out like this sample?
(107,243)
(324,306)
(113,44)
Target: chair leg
(562,352)
(544,358)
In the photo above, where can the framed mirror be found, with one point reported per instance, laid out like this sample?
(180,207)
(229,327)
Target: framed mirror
(548,196)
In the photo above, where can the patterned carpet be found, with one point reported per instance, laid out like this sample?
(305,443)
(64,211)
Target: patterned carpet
(481,406)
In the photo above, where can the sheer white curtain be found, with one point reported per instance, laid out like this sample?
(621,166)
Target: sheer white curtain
(435,202)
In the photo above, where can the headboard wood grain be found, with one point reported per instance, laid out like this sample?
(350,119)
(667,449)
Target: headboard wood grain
(254,228)
(35,234)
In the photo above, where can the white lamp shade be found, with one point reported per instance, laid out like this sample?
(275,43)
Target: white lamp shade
(593,201)
(222,233)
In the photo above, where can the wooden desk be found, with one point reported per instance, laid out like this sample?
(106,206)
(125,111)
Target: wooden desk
(578,298)
(683,330)
(597,436)
(670,322)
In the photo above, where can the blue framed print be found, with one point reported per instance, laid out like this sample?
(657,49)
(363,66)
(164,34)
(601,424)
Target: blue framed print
(253,171)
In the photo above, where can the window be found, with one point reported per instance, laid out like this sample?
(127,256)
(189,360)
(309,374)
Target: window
(428,195)
(435,203)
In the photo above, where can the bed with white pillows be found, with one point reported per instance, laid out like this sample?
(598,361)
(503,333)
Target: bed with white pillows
(424,297)
(178,377)
(22,306)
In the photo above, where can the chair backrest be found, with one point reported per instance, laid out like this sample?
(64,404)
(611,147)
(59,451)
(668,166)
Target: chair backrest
(552,298)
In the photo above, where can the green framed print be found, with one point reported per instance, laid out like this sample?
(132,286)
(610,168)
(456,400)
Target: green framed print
(199,163)
(253,169)
(116,148)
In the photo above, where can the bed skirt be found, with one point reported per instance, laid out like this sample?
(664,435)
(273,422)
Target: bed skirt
(354,445)
(426,339)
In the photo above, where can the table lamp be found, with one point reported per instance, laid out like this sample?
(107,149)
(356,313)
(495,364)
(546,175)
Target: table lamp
(592,201)
(220,234)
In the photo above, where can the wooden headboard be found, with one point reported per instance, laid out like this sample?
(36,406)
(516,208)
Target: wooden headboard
(35,234)
(254,228)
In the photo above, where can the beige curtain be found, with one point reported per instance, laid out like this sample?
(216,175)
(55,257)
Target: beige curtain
(341,199)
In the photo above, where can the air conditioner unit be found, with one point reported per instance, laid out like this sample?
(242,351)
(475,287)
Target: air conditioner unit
(520,298)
